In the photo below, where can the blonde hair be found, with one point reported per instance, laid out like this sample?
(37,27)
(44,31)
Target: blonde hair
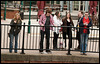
(15,17)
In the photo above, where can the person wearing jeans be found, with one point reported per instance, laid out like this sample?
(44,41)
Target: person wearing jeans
(84,38)
(85,22)
(11,42)
(14,31)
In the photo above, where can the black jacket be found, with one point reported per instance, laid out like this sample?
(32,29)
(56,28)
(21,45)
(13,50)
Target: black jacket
(65,23)
(15,27)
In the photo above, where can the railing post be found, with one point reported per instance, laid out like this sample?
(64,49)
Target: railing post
(23,40)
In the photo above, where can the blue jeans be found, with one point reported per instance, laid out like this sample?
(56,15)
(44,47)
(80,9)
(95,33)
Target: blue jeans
(11,42)
(84,39)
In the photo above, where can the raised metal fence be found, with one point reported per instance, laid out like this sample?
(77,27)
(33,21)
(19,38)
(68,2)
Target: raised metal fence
(30,41)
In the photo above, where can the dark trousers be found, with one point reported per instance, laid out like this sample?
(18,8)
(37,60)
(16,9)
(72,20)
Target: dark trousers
(47,32)
(55,40)
(78,38)
(69,37)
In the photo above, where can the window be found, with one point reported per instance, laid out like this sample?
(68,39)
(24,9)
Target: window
(47,2)
(57,2)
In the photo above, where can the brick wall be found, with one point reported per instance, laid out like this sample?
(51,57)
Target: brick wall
(9,13)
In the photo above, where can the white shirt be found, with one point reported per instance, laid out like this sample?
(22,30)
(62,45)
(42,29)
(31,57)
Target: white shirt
(57,22)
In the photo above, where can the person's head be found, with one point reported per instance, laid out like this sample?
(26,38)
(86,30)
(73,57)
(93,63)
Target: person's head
(17,16)
(80,13)
(86,14)
(68,15)
(49,11)
(57,14)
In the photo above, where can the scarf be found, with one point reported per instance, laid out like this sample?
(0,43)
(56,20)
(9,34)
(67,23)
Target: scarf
(84,21)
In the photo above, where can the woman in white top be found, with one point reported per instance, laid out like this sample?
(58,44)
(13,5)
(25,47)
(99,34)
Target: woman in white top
(58,22)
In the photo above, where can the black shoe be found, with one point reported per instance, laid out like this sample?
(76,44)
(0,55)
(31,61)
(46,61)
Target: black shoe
(49,52)
(10,52)
(15,52)
(55,48)
(77,49)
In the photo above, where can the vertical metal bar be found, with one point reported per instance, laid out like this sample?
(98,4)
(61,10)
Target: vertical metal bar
(96,39)
(4,37)
(23,40)
(90,40)
(7,36)
(5,10)
(33,37)
(73,44)
(29,19)
(1,34)
(93,40)
(36,38)
(19,38)
(27,40)
(30,39)
(21,5)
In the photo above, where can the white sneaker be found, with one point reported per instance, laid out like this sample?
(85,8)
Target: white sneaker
(71,48)
(41,52)
(45,53)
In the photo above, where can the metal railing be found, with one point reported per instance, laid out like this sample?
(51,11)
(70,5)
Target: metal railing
(30,41)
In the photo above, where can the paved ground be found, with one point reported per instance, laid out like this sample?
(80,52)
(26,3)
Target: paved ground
(36,52)
(32,56)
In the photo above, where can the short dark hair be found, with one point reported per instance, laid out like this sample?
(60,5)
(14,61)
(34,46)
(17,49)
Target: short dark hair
(81,12)
(49,10)
(86,12)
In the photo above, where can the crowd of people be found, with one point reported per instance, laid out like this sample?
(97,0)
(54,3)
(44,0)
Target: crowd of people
(46,20)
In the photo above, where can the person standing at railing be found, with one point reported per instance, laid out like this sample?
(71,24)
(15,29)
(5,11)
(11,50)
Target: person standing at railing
(67,21)
(57,21)
(80,15)
(14,31)
(45,21)
(85,22)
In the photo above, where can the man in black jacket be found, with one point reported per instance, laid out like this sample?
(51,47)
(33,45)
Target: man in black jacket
(80,15)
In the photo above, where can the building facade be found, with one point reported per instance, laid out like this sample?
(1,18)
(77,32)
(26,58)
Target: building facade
(74,5)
